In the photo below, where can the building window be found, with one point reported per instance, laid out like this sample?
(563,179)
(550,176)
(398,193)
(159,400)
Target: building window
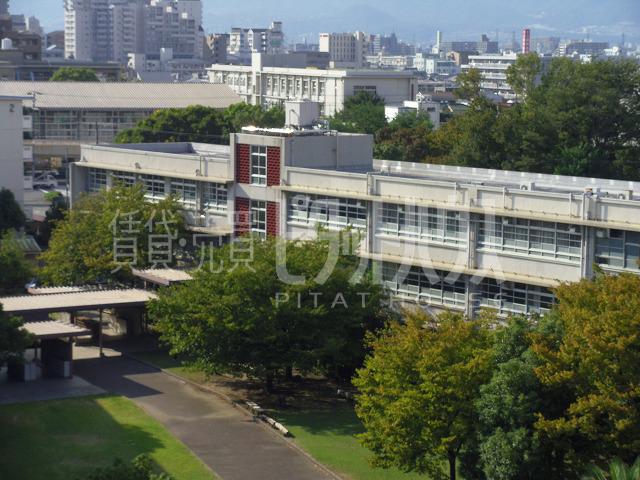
(214,197)
(330,212)
(123,178)
(420,223)
(365,88)
(433,286)
(259,218)
(519,298)
(154,186)
(618,249)
(530,237)
(258,165)
(185,192)
(97,179)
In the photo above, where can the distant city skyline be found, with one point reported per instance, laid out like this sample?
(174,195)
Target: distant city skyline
(413,21)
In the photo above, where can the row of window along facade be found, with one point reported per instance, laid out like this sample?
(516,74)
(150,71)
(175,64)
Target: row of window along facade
(213,196)
(533,238)
(449,290)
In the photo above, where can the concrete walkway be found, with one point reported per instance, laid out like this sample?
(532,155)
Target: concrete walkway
(228,441)
(45,389)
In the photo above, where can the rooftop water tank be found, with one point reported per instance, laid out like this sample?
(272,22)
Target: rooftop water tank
(6,44)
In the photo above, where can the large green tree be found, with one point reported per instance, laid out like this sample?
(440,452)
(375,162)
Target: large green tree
(107,233)
(417,391)
(11,214)
(362,113)
(241,317)
(198,123)
(591,365)
(74,74)
(406,137)
(15,270)
(13,339)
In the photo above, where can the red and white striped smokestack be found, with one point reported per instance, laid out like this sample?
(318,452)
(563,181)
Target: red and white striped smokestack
(526,40)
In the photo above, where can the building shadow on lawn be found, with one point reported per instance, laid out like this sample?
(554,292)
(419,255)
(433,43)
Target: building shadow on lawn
(69,439)
(337,420)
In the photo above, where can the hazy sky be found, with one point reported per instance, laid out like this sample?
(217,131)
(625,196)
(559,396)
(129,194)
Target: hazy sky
(412,20)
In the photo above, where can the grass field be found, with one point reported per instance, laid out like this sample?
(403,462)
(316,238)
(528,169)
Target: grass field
(66,439)
(329,436)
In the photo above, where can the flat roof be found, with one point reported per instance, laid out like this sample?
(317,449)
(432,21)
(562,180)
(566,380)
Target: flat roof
(69,302)
(121,95)
(163,276)
(51,330)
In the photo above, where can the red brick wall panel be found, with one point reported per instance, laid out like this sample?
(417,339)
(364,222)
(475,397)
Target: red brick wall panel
(273,166)
(242,220)
(273,219)
(243,163)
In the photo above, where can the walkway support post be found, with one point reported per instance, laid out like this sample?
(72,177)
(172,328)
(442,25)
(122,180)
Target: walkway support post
(100,333)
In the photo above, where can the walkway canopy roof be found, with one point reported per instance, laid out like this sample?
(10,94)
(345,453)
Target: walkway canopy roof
(163,276)
(52,330)
(75,301)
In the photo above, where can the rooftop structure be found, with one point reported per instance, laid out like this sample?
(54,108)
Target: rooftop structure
(445,237)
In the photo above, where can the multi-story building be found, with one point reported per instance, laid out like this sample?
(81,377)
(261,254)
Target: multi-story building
(243,42)
(4,7)
(579,47)
(13,154)
(346,50)
(445,237)
(264,85)
(216,48)
(485,45)
(493,69)
(68,114)
(434,65)
(392,62)
(102,30)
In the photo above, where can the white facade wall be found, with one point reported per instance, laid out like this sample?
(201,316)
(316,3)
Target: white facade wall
(493,69)
(12,151)
(346,50)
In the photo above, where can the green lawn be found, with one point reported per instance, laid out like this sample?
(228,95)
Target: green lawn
(65,439)
(329,436)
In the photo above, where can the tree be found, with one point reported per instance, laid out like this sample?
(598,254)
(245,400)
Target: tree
(522,75)
(618,470)
(197,123)
(241,318)
(13,339)
(469,85)
(508,446)
(591,364)
(362,113)
(15,270)
(405,138)
(74,74)
(11,214)
(54,214)
(417,388)
(108,232)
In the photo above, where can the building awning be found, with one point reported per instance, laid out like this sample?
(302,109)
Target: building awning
(162,276)
(52,330)
(76,301)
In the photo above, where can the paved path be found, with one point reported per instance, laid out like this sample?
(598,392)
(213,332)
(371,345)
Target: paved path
(45,389)
(227,440)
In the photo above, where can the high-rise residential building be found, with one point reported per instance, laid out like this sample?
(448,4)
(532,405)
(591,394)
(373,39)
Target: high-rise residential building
(346,50)
(216,48)
(4,7)
(579,47)
(526,40)
(485,45)
(104,30)
(243,42)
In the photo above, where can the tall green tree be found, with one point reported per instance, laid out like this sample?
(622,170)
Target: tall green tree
(74,74)
(11,214)
(362,113)
(522,75)
(405,138)
(197,123)
(107,233)
(15,269)
(592,367)
(618,470)
(241,318)
(417,391)
(13,339)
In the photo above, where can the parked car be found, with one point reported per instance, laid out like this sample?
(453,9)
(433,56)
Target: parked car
(45,181)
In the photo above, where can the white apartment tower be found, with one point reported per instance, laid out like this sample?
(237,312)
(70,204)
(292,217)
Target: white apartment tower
(346,50)
(108,30)
(4,7)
